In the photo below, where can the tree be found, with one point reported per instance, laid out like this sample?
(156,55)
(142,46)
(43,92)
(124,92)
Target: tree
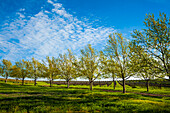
(35,68)
(1,70)
(140,63)
(109,68)
(88,66)
(66,67)
(50,69)
(23,69)
(15,72)
(117,47)
(6,69)
(155,40)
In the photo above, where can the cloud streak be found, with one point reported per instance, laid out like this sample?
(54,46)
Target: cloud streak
(48,33)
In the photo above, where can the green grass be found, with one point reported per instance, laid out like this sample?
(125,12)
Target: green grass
(40,98)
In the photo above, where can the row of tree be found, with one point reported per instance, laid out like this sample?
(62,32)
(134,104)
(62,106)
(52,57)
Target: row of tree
(146,56)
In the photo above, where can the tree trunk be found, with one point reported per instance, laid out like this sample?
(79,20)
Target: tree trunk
(100,84)
(6,79)
(50,83)
(52,80)
(35,81)
(107,84)
(147,85)
(114,82)
(68,83)
(23,80)
(124,90)
(91,85)
(16,80)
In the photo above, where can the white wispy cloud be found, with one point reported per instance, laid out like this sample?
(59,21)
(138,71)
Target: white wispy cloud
(48,33)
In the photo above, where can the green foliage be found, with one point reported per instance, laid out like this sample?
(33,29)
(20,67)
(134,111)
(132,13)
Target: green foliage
(15,72)
(6,68)
(22,69)
(50,69)
(117,48)
(88,66)
(109,67)
(155,40)
(66,67)
(140,64)
(35,68)
(1,70)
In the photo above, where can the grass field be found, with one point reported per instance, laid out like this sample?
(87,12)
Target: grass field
(41,98)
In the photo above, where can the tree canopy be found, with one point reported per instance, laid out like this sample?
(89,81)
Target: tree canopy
(155,39)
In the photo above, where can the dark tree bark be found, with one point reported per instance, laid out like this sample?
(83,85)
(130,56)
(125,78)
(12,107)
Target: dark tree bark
(99,83)
(50,83)
(124,90)
(23,80)
(35,81)
(68,85)
(6,78)
(51,80)
(114,82)
(16,80)
(147,85)
(160,86)
(91,85)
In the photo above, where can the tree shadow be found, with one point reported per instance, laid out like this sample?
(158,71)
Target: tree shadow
(55,99)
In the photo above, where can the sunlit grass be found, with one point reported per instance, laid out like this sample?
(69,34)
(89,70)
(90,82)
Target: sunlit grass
(42,98)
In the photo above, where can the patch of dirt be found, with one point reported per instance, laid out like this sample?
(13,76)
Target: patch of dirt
(146,94)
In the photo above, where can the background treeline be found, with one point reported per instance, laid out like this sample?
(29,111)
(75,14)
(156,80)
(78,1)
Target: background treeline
(146,56)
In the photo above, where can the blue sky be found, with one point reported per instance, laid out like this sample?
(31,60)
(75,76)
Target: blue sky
(40,28)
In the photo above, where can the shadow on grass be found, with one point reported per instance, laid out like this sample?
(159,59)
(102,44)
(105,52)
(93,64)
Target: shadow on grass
(55,99)
(30,103)
(61,104)
(5,85)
